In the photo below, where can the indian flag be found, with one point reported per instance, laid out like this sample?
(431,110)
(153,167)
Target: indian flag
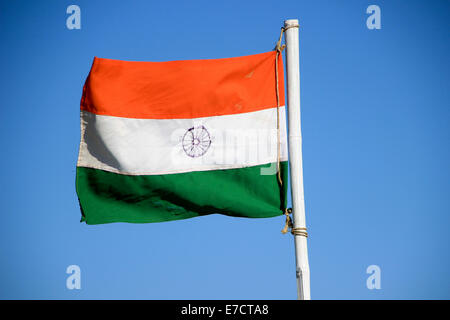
(173,140)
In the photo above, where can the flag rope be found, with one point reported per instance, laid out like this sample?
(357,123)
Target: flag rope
(288,224)
(279,48)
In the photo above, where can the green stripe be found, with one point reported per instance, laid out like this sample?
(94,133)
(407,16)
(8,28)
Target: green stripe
(107,197)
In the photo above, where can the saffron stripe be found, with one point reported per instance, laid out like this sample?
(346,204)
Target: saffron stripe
(182,89)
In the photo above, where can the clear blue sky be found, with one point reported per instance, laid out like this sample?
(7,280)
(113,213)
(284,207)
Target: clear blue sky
(376,133)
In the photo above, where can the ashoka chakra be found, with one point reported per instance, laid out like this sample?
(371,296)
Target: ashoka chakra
(196,141)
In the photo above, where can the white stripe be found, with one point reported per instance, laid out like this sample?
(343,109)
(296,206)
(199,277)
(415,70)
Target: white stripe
(155,146)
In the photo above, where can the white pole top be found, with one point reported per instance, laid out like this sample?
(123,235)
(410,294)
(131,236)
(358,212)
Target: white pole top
(291,22)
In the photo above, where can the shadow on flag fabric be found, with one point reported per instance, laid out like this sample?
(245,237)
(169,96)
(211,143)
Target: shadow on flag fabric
(164,141)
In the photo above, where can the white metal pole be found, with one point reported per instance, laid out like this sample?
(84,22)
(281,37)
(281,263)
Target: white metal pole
(295,157)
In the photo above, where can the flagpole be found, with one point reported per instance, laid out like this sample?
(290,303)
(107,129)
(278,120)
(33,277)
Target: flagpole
(295,159)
